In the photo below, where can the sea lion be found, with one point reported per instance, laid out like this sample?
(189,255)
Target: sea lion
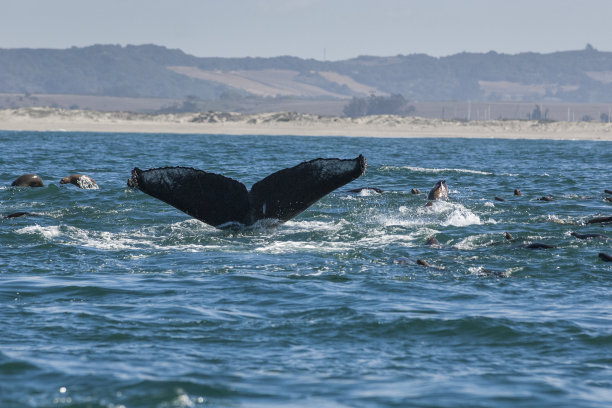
(499,199)
(508,236)
(415,191)
(359,190)
(605,257)
(224,202)
(423,263)
(432,241)
(589,236)
(28,180)
(599,220)
(439,191)
(407,261)
(546,198)
(608,191)
(81,181)
(18,214)
(426,264)
(402,260)
(538,245)
(517,192)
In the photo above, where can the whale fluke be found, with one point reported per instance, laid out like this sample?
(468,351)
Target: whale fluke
(221,201)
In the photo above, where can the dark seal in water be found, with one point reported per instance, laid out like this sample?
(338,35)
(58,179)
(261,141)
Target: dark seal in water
(28,180)
(81,181)
(439,191)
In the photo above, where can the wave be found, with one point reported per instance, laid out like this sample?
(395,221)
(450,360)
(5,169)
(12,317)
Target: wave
(174,236)
(437,170)
(374,229)
(474,241)
(455,214)
(461,217)
(65,234)
(318,247)
(553,218)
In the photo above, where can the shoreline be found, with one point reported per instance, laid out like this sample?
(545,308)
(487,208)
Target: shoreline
(294,124)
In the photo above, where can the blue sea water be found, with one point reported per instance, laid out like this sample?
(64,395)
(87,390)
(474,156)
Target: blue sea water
(111,298)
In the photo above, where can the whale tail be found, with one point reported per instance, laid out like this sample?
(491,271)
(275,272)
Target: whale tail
(219,201)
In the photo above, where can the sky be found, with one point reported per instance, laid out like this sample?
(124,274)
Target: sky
(320,29)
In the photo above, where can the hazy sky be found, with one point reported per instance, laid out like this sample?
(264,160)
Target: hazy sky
(334,29)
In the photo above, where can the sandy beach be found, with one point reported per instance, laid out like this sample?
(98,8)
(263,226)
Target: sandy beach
(286,123)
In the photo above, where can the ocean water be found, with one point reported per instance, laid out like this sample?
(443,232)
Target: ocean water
(111,298)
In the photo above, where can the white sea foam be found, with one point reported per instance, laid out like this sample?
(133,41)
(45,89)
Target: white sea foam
(282,247)
(557,220)
(46,232)
(454,214)
(308,226)
(403,220)
(64,234)
(437,170)
(87,183)
(461,217)
(367,193)
(473,242)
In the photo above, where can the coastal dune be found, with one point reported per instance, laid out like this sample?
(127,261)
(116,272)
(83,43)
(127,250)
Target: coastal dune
(290,123)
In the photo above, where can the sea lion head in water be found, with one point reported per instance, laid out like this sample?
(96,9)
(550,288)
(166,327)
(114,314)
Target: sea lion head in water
(81,181)
(28,180)
(439,191)
(546,198)
(432,241)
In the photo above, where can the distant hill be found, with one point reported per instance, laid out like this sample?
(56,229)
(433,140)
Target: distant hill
(150,71)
